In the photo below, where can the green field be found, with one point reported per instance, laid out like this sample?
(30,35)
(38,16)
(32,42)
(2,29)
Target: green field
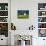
(23,16)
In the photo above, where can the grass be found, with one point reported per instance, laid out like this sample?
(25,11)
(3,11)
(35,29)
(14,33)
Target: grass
(23,16)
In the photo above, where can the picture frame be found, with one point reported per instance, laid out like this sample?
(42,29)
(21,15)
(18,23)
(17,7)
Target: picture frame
(23,14)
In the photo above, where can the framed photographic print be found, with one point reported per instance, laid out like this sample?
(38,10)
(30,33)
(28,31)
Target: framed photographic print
(23,14)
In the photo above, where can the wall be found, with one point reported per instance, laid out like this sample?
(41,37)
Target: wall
(23,24)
